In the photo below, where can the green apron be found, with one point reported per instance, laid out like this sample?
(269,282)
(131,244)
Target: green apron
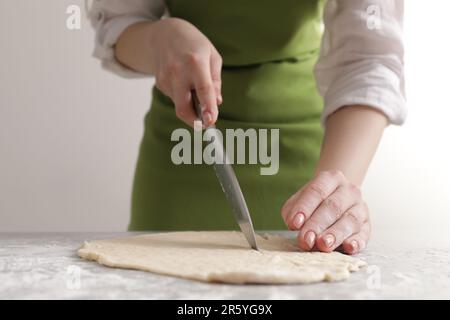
(269,49)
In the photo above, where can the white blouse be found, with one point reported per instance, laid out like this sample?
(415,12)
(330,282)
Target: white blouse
(361,56)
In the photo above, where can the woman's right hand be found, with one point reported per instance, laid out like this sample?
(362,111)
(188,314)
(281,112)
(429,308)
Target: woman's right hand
(184,59)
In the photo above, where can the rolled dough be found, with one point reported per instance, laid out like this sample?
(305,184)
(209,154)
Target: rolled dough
(221,256)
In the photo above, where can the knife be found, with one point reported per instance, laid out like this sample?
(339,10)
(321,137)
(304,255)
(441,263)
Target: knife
(230,185)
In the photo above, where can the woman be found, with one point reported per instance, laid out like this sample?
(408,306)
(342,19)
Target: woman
(256,59)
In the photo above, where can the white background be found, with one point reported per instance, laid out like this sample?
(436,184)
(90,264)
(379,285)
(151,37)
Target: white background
(69,132)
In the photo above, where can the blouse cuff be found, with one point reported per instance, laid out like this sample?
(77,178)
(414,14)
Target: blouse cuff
(107,37)
(369,84)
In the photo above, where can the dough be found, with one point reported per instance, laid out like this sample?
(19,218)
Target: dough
(221,256)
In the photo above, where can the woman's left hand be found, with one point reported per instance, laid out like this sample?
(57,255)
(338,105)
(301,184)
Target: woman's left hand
(329,212)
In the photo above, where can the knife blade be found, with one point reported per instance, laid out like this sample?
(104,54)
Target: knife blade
(228,181)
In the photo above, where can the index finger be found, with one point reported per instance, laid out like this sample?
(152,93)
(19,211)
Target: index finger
(206,91)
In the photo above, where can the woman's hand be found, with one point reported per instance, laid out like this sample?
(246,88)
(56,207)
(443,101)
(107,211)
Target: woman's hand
(184,59)
(329,212)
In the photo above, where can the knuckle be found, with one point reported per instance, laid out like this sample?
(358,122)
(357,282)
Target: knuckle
(316,224)
(179,112)
(216,78)
(353,218)
(355,190)
(310,224)
(194,58)
(318,190)
(204,88)
(339,235)
(344,231)
(334,206)
(174,68)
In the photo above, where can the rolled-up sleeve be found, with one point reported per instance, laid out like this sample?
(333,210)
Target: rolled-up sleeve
(361,58)
(110,18)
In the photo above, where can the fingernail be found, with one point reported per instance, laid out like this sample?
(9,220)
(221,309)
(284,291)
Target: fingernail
(309,238)
(354,245)
(329,240)
(298,220)
(207,117)
(219,99)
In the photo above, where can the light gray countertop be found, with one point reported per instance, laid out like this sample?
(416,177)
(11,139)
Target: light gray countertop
(45,266)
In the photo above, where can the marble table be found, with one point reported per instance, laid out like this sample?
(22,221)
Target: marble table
(401,265)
